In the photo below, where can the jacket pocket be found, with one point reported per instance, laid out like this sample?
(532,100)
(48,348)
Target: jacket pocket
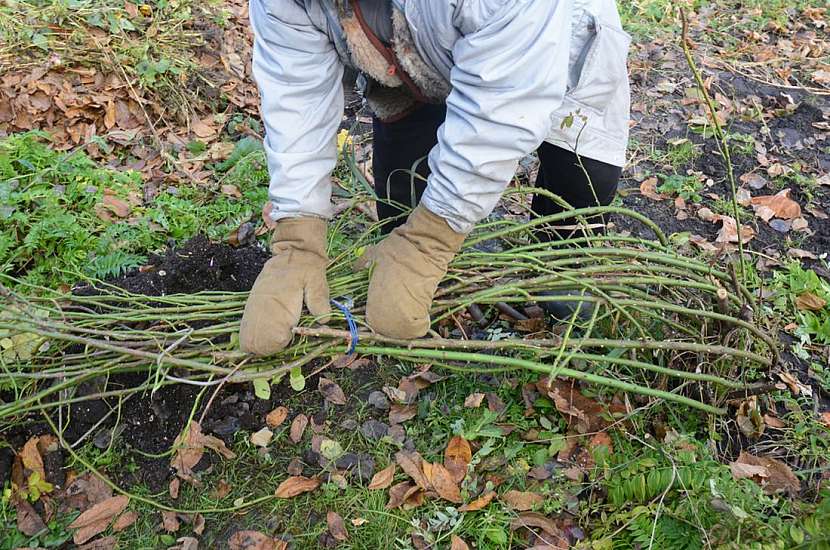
(604,68)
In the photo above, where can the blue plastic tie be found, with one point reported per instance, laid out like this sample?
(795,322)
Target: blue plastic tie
(344,307)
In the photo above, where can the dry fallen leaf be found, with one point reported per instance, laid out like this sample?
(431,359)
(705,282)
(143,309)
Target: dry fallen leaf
(254,540)
(800,224)
(456,543)
(276,417)
(405,494)
(702,243)
(774,421)
(28,520)
(442,481)
(296,485)
(473,401)
(707,215)
(729,231)
(87,490)
(119,207)
(124,520)
(601,439)
(554,537)
(411,463)
(754,180)
(810,302)
(298,427)
(169,521)
(399,414)
(96,519)
(801,254)
(494,403)
(585,414)
(383,478)
(336,526)
(522,500)
(795,386)
(457,456)
(424,377)
(824,418)
(105,543)
(770,473)
(648,188)
(203,128)
(262,437)
(357,522)
(31,458)
(331,391)
(173,488)
(198,523)
(231,191)
(779,205)
(478,503)
(190,450)
(223,489)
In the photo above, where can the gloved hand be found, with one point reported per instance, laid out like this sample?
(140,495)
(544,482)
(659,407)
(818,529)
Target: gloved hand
(409,264)
(297,271)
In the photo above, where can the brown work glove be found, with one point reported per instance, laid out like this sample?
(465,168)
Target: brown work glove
(297,271)
(409,264)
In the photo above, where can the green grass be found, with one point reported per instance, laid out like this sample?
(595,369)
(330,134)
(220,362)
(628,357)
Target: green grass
(790,284)
(52,229)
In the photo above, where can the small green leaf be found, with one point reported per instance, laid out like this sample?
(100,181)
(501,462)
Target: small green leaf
(540,456)
(496,535)
(796,534)
(262,388)
(556,445)
(40,41)
(38,486)
(331,449)
(296,379)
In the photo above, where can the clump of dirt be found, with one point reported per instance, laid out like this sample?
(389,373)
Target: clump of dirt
(793,136)
(196,266)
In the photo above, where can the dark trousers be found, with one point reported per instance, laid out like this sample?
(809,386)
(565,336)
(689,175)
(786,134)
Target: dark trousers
(400,170)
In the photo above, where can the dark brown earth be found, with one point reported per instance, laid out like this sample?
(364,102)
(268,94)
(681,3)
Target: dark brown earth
(792,138)
(151,423)
(195,266)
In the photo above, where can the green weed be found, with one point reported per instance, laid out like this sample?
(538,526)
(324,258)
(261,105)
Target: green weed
(794,283)
(675,495)
(686,187)
(52,221)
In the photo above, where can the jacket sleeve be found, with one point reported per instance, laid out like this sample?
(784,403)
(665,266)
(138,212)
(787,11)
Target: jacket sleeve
(509,75)
(298,73)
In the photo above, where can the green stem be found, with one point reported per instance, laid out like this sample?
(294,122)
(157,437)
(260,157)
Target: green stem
(543,369)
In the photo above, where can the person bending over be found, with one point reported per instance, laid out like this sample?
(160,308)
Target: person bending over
(473,86)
